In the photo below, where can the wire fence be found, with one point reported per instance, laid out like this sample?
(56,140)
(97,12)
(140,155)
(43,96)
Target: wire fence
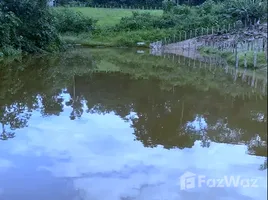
(205,31)
(218,38)
(215,63)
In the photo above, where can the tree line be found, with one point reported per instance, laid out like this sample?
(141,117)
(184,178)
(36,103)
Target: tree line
(135,3)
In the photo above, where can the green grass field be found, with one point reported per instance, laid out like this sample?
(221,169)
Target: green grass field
(110,16)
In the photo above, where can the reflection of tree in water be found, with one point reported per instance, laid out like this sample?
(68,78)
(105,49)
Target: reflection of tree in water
(76,105)
(76,102)
(14,116)
(51,105)
(264,165)
(257,146)
(163,118)
(6,135)
(159,123)
(34,81)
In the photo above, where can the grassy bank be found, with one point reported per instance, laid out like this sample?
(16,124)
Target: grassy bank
(113,39)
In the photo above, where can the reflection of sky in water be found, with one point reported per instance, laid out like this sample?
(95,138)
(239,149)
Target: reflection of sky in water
(98,157)
(198,124)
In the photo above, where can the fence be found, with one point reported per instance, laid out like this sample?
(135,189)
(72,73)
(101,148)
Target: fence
(205,31)
(207,37)
(128,7)
(214,64)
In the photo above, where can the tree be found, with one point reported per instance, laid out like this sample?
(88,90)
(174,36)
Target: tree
(32,26)
(14,116)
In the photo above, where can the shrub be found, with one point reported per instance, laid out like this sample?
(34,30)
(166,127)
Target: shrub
(10,51)
(246,10)
(168,5)
(181,10)
(8,26)
(183,17)
(27,25)
(137,21)
(147,36)
(67,20)
(207,6)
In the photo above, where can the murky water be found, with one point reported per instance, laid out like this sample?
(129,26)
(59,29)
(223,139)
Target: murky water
(150,128)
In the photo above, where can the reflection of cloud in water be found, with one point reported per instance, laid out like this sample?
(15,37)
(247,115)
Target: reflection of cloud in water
(101,158)
(198,124)
(5,165)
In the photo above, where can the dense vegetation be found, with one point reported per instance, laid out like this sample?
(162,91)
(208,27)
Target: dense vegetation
(147,27)
(119,3)
(27,25)
(32,26)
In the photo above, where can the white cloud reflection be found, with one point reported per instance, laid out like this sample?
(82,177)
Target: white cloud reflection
(99,154)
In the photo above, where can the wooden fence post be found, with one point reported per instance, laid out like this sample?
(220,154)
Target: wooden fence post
(236,56)
(235,76)
(245,60)
(189,46)
(255,59)
(253,79)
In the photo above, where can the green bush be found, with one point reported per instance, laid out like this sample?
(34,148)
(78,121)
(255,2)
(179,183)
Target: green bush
(67,20)
(168,5)
(181,17)
(181,10)
(147,36)
(137,21)
(9,24)
(10,51)
(27,25)
(246,10)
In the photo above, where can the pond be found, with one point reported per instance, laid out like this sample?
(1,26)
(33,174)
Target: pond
(105,124)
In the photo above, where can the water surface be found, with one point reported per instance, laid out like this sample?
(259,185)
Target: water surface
(74,130)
